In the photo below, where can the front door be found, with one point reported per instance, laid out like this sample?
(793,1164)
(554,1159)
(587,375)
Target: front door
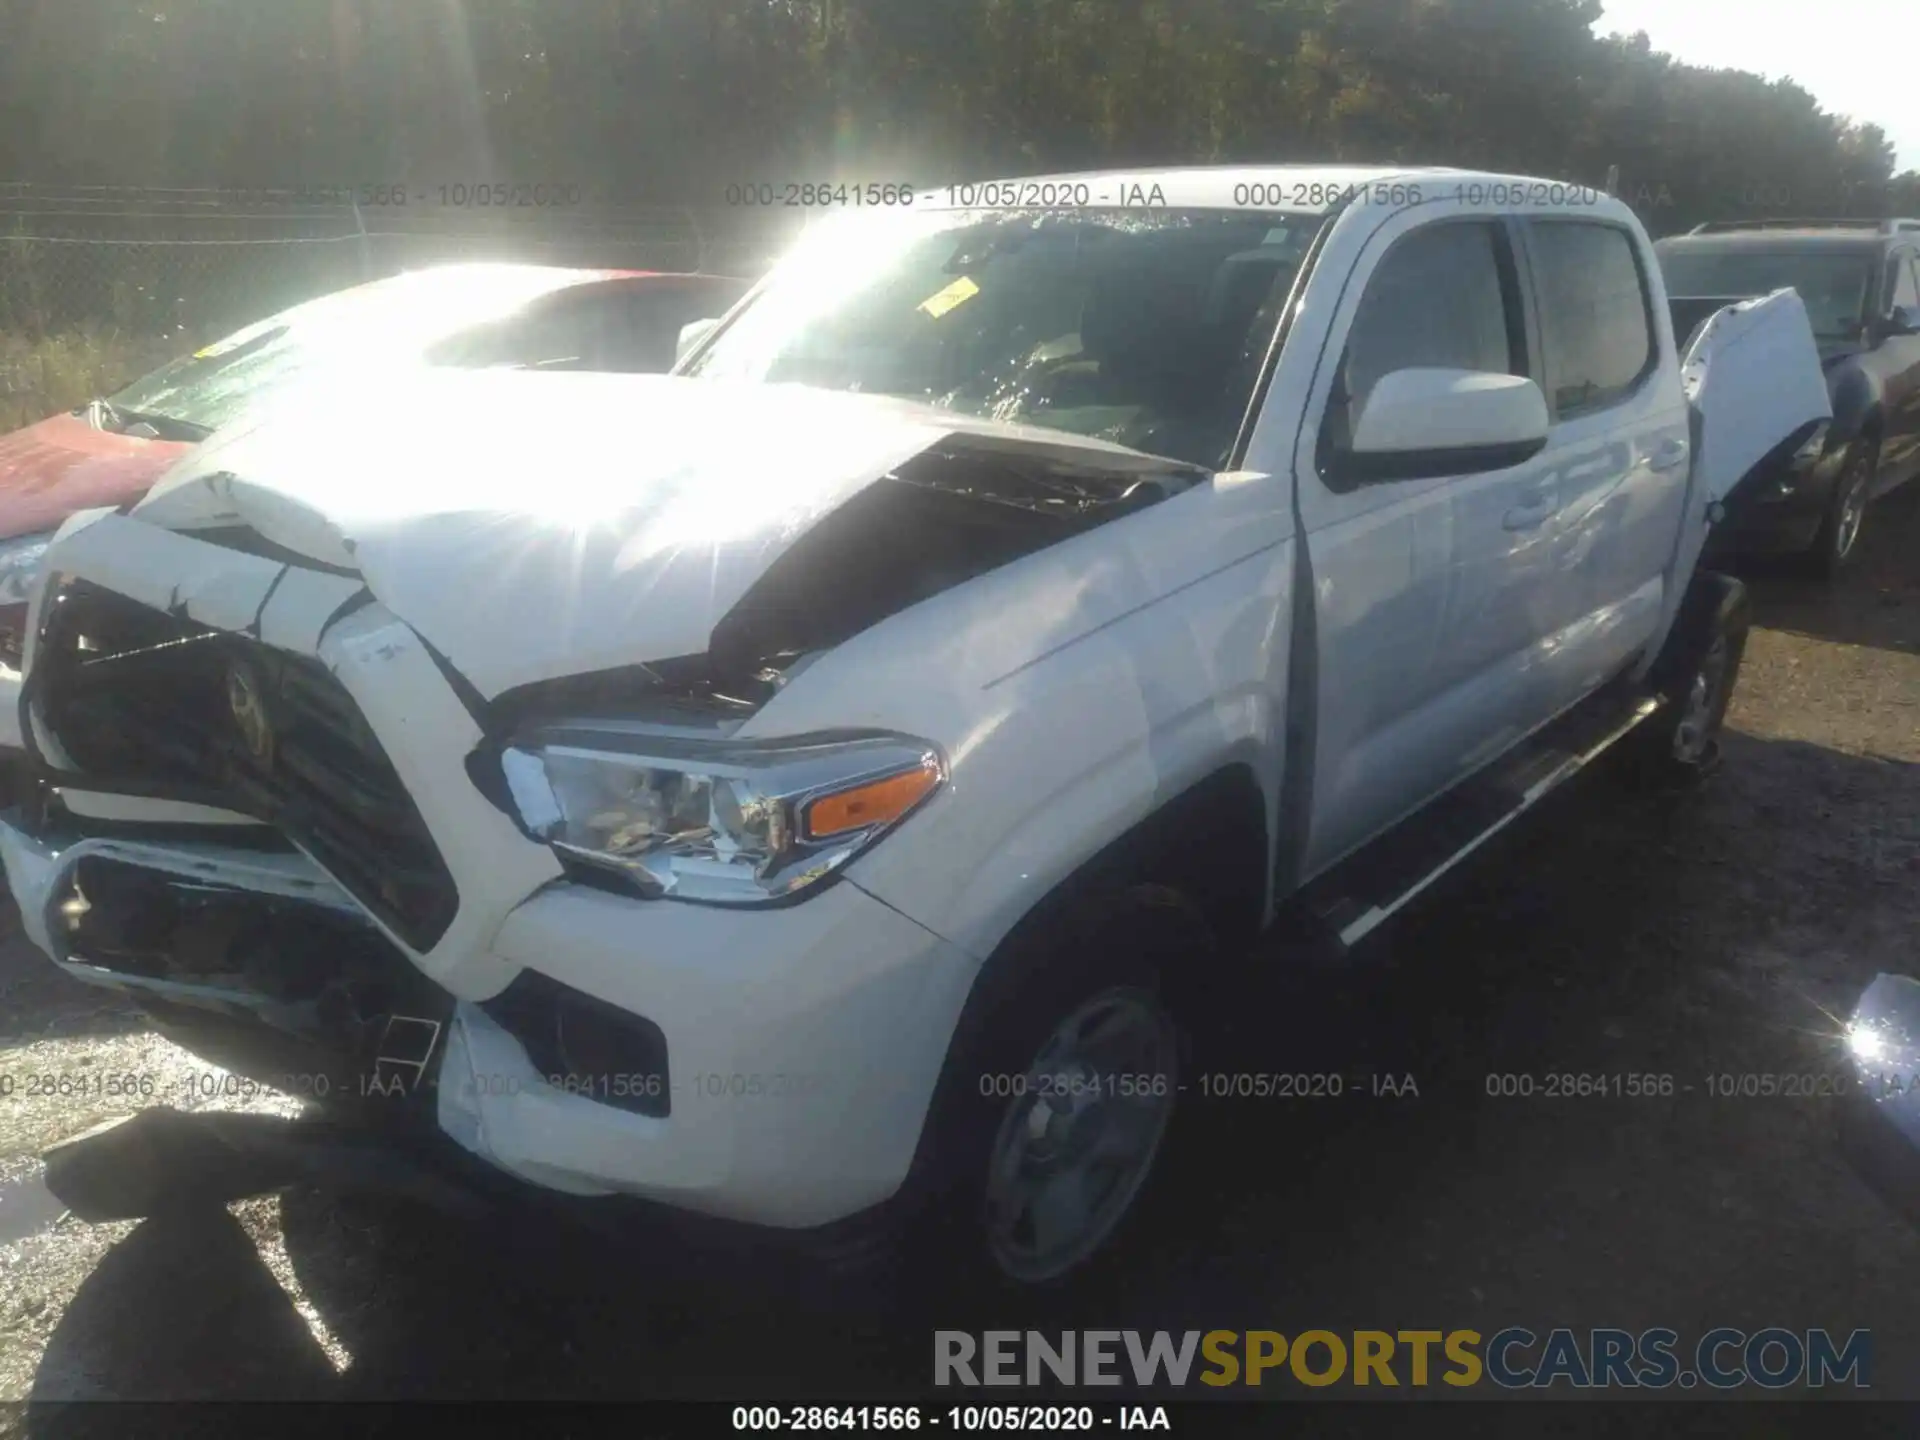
(1431,594)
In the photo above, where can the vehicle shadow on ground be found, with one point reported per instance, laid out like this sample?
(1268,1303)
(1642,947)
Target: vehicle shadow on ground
(1646,936)
(1876,603)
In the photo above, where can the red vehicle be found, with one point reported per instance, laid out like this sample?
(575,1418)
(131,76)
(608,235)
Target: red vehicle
(112,450)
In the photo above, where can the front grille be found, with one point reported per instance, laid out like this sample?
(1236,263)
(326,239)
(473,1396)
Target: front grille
(151,703)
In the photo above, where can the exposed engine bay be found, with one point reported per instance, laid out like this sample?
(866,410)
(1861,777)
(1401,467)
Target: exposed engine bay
(940,519)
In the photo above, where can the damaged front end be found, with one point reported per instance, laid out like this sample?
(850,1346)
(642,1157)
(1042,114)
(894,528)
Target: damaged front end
(941,519)
(274,805)
(633,776)
(143,702)
(947,515)
(253,959)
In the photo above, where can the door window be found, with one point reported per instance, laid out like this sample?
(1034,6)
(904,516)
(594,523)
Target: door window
(1442,296)
(1596,325)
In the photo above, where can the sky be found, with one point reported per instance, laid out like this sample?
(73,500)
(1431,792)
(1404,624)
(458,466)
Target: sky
(1858,58)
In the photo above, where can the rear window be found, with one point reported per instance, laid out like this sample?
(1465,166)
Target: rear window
(1598,336)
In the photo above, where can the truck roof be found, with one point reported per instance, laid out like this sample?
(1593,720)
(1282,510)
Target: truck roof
(1313,189)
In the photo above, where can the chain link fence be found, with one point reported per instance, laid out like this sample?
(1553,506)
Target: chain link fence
(99,284)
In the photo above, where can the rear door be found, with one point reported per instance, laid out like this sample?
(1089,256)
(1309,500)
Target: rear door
(1619,443)
(1431,593)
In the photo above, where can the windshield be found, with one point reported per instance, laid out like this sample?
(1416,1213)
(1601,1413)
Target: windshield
(389,320)
(1833,284)
(1145,328)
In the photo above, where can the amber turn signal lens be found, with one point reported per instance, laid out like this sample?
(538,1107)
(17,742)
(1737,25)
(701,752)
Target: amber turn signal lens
(875,803)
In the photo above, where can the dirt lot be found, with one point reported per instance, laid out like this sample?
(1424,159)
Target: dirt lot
(1618,934)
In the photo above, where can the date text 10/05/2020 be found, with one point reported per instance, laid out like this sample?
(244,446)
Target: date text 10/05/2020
(193,1087)
(1122,194)
(1718,1085)
(964,1418)
(1212,1085)
(394,1080)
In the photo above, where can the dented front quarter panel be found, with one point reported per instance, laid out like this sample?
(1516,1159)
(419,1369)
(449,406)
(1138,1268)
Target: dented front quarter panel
(1163,634)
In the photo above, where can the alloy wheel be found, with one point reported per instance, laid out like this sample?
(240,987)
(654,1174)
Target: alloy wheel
(1080,1136)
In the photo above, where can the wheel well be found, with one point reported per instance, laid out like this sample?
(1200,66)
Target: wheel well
(1209,843)
(1206,847)
(1712,599)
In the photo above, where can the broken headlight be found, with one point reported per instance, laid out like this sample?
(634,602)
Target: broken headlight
(724,822)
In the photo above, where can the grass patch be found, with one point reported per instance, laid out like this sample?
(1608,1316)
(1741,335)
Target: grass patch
(41,376)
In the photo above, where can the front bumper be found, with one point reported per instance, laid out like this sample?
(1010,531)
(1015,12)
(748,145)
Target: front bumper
(801,1043)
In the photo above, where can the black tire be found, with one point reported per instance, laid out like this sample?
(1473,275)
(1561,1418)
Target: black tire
(1125,947)
(1838,540)
(1695,678)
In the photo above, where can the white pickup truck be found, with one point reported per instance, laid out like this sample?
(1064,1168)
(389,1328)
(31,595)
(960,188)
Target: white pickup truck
(804,789)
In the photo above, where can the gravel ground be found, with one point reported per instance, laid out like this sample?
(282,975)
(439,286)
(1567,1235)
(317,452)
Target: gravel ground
(1619,933)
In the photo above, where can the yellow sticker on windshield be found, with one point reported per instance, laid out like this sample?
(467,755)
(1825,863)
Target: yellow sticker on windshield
(233,341)
(958,293)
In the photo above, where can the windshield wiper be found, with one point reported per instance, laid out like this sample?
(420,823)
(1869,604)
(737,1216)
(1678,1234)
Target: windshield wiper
(115,420)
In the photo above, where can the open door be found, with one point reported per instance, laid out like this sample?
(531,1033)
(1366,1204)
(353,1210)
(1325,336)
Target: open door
(1754,381)
(1754,384)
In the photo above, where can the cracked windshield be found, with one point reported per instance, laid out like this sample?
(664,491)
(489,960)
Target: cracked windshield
(1148,332)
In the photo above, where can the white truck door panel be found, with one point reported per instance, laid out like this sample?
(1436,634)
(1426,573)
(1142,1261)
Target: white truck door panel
(1431,594)
(1380,581)
(1752,379)
(1620,433)
(1753,374)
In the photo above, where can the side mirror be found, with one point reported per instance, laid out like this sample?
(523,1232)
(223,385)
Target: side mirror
(1430,421)
(691,335)
(1903,320)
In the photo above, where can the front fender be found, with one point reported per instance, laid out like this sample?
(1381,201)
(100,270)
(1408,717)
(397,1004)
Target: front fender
(1062,757)
(1856,404)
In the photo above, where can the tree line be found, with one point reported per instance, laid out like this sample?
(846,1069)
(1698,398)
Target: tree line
(672,101)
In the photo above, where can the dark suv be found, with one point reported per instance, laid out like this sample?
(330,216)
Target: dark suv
(1860,281)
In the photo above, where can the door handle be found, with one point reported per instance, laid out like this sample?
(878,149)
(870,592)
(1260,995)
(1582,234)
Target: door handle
(1531,515)
(1670,455)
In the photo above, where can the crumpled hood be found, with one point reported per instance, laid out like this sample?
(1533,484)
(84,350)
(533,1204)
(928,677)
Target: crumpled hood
(536,526)
(63,464)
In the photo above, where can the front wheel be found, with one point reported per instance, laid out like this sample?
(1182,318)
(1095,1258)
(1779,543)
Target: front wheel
(1680,743)
(1060,1092)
